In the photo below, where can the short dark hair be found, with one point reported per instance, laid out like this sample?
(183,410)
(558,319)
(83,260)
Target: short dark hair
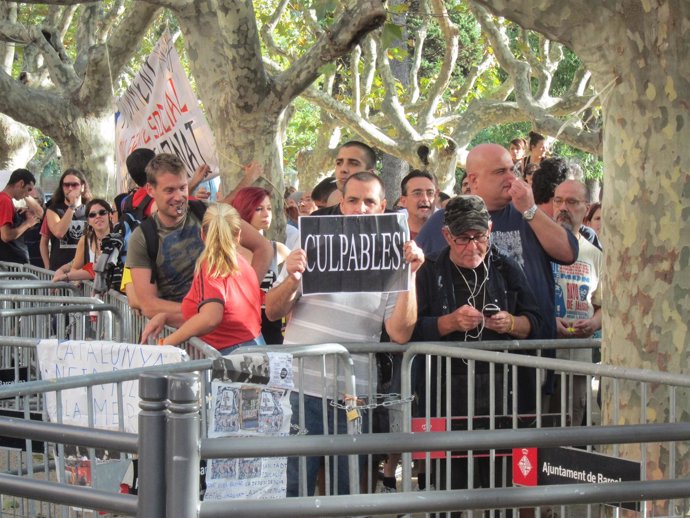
(369,153)
(163,163)
(519,142)
(323,190)
(366,177)
(415,173)
(21,175)
(136,164)
(551,173)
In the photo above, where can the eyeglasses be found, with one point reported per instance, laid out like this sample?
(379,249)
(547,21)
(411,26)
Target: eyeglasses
(101,212)
(570,202)
(71,185)
(465,240)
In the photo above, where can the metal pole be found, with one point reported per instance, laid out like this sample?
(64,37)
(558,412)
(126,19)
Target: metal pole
(182,446)
(153,393)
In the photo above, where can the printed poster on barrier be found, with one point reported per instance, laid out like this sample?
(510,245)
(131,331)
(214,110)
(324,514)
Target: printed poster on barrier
(75,357)
(160,111)
(240,409)
(355,253)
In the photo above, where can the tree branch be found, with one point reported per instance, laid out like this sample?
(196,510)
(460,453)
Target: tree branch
(394,111)
(450,36)
(16,97)
(106,61)
(420,39)
(270,26)
(346,32)
(63,76)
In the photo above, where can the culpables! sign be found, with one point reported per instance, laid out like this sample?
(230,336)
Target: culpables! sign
(354,253)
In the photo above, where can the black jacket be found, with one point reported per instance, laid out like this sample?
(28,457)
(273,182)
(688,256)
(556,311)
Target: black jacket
(507,287)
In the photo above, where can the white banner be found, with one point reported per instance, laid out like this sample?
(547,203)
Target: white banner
(74,358)
(159,111)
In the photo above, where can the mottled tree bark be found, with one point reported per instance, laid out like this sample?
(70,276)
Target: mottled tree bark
(640,59)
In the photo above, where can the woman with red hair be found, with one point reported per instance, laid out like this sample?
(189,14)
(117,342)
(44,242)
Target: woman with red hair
(254,206)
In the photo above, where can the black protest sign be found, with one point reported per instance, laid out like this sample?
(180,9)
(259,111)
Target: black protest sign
(354,253)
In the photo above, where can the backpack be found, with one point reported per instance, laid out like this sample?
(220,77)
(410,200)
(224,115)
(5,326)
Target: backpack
(131,218)
(150,230)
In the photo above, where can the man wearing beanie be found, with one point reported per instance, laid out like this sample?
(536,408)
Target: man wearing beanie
(471,292)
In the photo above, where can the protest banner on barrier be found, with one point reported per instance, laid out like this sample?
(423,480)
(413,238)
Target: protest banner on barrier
(159,111)
(241,409)
(355,253)
(74,357)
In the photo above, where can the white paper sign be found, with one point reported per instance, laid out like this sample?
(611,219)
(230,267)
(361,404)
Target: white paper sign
(248,409)
(159,111)
(74,358)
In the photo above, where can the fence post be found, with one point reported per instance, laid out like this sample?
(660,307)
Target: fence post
(153,394)
(182,446)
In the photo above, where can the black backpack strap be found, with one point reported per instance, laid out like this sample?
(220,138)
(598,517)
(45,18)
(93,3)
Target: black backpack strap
(140,210)
(198,208)
(148,227)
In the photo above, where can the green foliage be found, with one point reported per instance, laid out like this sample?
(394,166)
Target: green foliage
(502,134)
(302,130)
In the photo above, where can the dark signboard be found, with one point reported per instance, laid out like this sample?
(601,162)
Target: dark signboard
(354,253)
(552,466)
(17,442)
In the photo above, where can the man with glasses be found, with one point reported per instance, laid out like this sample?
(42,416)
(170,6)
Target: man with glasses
(471,292)
(418,194)
(578,297)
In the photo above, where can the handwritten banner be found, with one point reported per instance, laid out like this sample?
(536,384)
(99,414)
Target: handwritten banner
(354,253)
(159,111)
(75,358)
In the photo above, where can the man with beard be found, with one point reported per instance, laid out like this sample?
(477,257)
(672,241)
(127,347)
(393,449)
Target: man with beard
(578,294)
(418,193)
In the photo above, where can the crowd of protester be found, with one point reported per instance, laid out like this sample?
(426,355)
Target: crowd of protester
(502,260)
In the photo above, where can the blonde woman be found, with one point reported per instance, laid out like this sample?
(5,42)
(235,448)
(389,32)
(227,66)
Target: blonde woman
(223,306)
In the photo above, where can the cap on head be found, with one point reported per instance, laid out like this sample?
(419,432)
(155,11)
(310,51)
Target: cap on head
(465,213)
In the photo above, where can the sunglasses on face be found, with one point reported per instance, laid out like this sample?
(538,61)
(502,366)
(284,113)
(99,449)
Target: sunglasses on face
(101,212)
(71,185)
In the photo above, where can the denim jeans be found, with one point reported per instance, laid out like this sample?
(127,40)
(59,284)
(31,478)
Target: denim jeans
(313,421)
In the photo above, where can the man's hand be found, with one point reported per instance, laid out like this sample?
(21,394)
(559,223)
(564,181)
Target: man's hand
(413,255)
(584,328)
(562,326)
(521,193)
(153,328)
(466,318)
(200,175)
(296,263)
(502,322)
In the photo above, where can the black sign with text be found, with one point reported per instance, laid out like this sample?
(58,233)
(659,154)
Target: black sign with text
(354,253)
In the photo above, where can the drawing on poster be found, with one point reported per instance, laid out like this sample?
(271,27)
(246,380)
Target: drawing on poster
(249,409)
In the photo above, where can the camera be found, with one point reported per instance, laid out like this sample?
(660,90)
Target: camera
(108,262)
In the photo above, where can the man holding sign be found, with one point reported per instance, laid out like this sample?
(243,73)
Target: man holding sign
(340,317)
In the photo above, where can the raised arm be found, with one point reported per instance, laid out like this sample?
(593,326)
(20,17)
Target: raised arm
(556,241)
(282,297)
(404,317)
(260,247)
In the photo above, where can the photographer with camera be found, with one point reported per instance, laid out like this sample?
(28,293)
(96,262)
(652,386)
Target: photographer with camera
(97,250)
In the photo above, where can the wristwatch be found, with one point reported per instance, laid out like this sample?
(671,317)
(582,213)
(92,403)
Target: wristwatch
(73,207)
(528,215)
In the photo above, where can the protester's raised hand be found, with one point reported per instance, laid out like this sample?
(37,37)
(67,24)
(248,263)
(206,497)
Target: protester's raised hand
(413,255)
(521,194)
(200,174)
(296,263)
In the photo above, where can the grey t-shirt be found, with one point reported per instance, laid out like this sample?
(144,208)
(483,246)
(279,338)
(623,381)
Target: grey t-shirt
(178,249)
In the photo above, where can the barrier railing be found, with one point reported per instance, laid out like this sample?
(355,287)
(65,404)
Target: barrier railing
(181,420)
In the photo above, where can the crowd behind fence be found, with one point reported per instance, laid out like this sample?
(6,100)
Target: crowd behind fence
(172,439)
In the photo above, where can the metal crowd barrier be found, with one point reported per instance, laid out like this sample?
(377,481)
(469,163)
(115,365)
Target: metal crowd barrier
(172,413)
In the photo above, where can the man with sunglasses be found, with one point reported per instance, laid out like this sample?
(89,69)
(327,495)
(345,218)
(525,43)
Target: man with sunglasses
(471,292)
